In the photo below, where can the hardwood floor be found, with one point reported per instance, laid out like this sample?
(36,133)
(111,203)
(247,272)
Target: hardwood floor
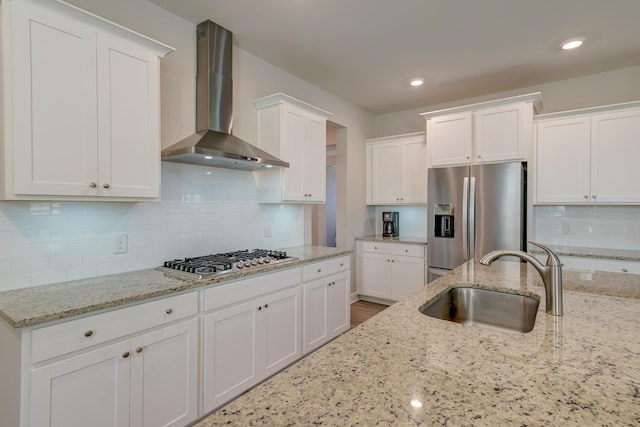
(362,310)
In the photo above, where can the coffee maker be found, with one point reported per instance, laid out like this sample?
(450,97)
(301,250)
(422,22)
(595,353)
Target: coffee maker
(390,224)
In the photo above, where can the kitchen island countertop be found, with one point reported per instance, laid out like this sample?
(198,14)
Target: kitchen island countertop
(579,369)
(39,304)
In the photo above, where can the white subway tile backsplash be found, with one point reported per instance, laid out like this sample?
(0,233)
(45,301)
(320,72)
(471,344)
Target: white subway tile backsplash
(616,227)
(202,210)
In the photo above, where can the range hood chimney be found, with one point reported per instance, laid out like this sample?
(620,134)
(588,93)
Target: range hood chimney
(213,144)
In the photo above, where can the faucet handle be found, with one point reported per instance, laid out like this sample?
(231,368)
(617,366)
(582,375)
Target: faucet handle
(552,258)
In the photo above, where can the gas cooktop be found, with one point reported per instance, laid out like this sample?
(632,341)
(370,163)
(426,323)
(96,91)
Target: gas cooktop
(216,264)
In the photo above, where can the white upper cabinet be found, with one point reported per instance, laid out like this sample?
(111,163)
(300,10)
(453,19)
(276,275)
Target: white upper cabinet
(295,132)
(589,156)
(488,132)
(397,170)
(81,105)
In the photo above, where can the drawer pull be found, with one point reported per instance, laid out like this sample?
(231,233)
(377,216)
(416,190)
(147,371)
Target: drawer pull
(125,354)
(342,264)
(169,310)
(88,333)
(625,270)
(138,349)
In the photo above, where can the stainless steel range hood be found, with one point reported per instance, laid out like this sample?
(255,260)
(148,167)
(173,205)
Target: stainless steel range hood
(213,144)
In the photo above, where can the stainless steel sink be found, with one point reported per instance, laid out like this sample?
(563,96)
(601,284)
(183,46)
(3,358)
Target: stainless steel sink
(485,309)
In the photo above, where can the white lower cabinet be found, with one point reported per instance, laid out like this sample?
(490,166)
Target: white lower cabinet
(248,341)
(117,368)
(147,381)
(327,311)
(390,271)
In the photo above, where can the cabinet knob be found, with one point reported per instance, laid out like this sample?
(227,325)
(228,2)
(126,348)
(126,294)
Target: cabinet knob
(406,250)
(625,270)
(259,308)
(467,157)
(88,333)
(342,264)
(169,310)
(106,185)
(375,247)
(319,270)
(586,196)
(125,354)
(594,196)
(393,260)
(138,349)
(479,156)
(266,306)
(93,185)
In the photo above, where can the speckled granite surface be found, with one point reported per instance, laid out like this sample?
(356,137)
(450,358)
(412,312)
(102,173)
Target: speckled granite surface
(30,306)
(601,253)
(402,239)
(581,369)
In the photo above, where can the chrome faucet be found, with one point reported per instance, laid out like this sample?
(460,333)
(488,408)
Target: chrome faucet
(551,274)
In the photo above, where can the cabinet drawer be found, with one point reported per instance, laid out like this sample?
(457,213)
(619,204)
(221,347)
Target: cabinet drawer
(394,248)
(62,338)
(239,290)
(325,268)
(611,265)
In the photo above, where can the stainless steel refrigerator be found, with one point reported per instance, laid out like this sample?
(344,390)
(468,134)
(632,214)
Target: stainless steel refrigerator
(473,210)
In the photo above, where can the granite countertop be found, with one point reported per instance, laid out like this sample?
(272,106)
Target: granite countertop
(412,240)
(600,253)
(579,369)
(39,304)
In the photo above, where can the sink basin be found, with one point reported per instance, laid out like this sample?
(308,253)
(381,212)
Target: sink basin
(486,309)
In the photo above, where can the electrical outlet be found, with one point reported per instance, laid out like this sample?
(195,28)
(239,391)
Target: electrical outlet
(120,243)
(267,230)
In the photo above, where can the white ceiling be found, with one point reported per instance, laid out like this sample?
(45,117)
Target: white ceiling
(366,51)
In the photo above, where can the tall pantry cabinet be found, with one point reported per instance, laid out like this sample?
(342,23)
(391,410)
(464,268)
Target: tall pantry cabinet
(81,107)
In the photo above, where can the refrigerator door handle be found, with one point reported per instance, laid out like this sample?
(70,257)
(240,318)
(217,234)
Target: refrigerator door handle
(472,218)
(465,218)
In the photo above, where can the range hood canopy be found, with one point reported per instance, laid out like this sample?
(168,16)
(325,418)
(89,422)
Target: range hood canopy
(213,144)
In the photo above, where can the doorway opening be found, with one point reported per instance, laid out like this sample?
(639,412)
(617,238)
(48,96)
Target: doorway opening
(324,217)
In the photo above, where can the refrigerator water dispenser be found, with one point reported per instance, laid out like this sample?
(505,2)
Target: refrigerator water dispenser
(444,220)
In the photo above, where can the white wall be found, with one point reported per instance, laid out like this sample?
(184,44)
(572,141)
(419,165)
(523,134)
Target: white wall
(601,226)
(47,242)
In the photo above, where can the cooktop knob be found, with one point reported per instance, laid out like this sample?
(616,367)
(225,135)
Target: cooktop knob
(247,263)
(267,259)
(254,261)
(260,260)
(239,264)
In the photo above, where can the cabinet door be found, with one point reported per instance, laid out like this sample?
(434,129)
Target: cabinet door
(450,137)
(293,152)
(615,150)
(164,376)
(280,329)
(500,133)
(339,305)
(314,159)
(128,124)
(316,313)
(229,353)
(376,275)
(55,149)
(91,389)
(562,160)
(407,276)
(413,172)
(385,160)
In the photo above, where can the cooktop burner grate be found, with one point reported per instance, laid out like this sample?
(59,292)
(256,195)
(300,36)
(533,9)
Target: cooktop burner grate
(214,264)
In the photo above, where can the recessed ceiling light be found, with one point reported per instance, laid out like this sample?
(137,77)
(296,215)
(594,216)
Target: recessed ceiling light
(417,82)
(572,44)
